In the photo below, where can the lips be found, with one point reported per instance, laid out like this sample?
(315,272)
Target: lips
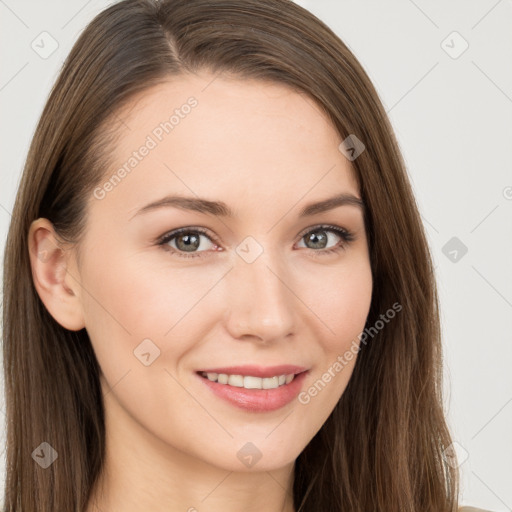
(255,400)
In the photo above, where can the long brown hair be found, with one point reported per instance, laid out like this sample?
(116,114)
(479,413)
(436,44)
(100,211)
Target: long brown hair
(383,447)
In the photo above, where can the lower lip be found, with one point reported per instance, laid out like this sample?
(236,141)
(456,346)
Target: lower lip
(257,400)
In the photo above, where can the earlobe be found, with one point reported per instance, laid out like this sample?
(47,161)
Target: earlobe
(55,277)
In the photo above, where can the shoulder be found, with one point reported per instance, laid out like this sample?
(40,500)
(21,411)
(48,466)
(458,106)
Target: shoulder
(472,509)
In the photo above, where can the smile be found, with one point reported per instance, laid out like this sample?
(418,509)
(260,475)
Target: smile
(272,389)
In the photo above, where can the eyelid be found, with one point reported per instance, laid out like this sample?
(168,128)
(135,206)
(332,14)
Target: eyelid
(173,233)
(325,226)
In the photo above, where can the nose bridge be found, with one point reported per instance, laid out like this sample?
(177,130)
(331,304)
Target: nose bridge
(261,303)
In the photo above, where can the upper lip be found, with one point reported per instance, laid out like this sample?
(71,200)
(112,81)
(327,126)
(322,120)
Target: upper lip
(257,371)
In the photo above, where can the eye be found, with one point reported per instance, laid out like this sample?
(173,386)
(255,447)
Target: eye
(185,240)
(318,239)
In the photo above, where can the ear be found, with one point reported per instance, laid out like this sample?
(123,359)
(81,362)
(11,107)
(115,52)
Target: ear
(55,275)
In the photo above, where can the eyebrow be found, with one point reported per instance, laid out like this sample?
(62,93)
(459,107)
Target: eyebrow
(221,209)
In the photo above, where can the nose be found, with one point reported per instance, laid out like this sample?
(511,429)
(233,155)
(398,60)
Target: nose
(261,303)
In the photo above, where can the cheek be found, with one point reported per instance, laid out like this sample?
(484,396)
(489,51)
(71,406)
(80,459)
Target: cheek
(122,299)
(131,301)
(342,308)
(343,304)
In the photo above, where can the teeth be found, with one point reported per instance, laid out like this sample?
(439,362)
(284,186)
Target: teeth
(248,381)
(236,380)
(222,378)
(252,382)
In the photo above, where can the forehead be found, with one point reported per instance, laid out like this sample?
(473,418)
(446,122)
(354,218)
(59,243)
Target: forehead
(248,143)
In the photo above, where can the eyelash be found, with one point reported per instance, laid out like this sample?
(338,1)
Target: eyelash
(345,235)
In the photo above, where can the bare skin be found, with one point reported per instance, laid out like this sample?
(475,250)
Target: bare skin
(267,152)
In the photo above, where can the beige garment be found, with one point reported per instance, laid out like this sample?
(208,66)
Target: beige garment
(472,509)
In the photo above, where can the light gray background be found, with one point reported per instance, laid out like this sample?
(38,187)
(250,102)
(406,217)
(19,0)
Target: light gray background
(453,117)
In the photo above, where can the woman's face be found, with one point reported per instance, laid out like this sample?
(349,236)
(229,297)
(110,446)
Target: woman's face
(265,286)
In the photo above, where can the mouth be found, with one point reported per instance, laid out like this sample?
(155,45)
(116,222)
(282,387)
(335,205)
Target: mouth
(255,389)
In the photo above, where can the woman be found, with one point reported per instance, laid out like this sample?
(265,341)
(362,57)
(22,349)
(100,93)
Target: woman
(218,293)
